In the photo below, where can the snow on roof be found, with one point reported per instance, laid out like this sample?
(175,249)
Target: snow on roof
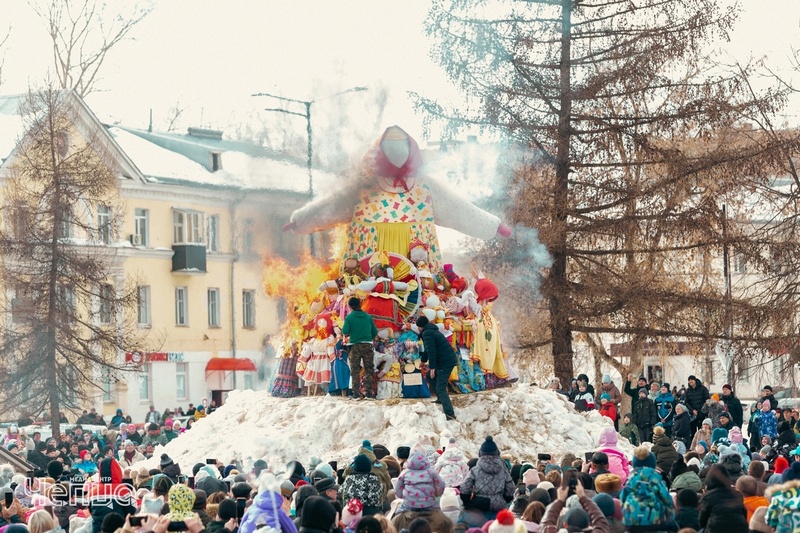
(523,420)
(239,170)
(11,125)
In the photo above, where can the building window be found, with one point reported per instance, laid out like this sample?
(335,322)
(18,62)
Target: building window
(187,227)
(249,309)
(106,299)
(248,381)
(213,308)
(142,227)
(216,161)
(212,233)
(144,383)
(248,236)
(65,227)
(181,381)
(181,306)
(143,306)
(104,229)
(108,386)
(21,222)
(68,302)
(740,264)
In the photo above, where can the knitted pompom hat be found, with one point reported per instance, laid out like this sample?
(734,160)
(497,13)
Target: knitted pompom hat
(643,457)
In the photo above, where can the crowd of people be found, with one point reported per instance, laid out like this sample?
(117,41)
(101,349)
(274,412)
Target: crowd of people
(693,469)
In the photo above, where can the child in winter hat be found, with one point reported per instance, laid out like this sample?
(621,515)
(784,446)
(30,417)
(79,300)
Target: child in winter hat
(419,485)
(488,447)
(506,523)
(352,511)
(450,504)
(452,466)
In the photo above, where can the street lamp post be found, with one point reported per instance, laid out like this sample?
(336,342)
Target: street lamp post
(307,116)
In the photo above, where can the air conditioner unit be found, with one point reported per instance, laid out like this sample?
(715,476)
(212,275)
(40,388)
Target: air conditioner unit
(136,240)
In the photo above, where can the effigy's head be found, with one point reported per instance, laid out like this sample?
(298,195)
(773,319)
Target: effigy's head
(397,160)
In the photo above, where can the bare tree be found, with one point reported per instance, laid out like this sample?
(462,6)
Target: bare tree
(83,32)
(640,171)
(70,310)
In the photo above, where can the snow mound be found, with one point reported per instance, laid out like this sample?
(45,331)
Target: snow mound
(523,421)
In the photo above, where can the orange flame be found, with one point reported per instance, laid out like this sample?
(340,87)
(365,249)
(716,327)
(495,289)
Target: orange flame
(299,285)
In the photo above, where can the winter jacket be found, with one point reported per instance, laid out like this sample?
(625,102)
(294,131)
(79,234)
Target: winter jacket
(452,466)
(751,503)
(773,403)
(617,460)
(584,401)
(632,391)
(137,456)
(266,511)
(597,522)
(419,485)
(722,509)
(698,436)
(366,487)
(609,410)
(488,479)
(159,439)
(783,512)
(378,468)
(734,407)
(645,500)
(767,424)
(695,397)
(612,390)
(687,480)
(109,496)
(630,432)
(360,326)
(682,428)
(664,452)
(712,410)
(438,351)
(644,414)
(688,517)
(665,405)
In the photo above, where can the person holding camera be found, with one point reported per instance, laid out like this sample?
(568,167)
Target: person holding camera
(576,519)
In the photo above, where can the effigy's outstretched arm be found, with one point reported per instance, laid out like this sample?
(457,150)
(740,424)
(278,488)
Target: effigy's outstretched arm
(325,211)
(456,212)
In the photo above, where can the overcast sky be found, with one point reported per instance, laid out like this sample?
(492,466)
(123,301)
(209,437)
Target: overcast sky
(208,56)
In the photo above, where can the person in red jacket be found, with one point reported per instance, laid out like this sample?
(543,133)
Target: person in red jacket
(607,407)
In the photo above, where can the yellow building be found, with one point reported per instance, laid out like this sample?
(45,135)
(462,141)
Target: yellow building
(199,213)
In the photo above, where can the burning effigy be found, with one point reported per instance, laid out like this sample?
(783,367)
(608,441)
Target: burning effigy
(389,257)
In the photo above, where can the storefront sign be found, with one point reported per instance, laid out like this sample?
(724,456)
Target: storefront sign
(139,358)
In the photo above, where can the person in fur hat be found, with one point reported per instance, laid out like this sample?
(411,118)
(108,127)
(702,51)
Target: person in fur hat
(452,465)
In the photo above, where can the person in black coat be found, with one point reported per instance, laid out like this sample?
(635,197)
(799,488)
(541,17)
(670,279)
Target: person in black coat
(633,392)
(722,508)
(766,394)
(732,405)
(644,416)
(696,396)
(682,426)
(441,360)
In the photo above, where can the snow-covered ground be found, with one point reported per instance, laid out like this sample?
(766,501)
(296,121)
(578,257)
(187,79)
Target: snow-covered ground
(523,420)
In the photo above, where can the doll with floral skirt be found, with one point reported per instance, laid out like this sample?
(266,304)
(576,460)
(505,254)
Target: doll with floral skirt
(318,353)
(286,383)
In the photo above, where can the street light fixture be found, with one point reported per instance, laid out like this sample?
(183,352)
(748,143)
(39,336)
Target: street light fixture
(307,116)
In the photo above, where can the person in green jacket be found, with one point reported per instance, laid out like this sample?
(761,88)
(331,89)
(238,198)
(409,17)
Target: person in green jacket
(629,430)
(360,331)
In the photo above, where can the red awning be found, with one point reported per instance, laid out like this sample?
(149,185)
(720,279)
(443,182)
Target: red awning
(229,364)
